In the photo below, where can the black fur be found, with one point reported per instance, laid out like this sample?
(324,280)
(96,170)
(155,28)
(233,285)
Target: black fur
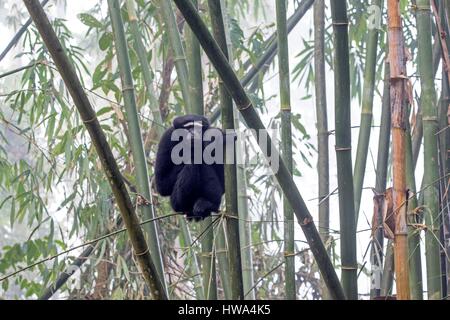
(195,189)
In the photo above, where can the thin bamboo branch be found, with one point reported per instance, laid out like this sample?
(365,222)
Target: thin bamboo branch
(366,112)
(430,128)
(376,256)
(244,105)
(343,149)
(323,169)
(245,222)
(286,144)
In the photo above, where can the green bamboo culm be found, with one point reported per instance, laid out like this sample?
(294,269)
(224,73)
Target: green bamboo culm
(415,261)
(98,138)
(444,143)
(231,200)
(286,141)
(417,134)
(430,129)
(178,51)
(376,252)
(323,168)
(137,148)
(145,67)
(343,149)
(247,110)
(366,111)
(193,57)
(245,223)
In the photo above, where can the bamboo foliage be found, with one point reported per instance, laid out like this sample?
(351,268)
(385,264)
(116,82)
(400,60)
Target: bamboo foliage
(88,115)
(244,105)
(343,149)
(398,122)
(286,141)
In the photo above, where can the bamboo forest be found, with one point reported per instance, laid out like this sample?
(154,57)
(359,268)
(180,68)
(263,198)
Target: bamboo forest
(224,150)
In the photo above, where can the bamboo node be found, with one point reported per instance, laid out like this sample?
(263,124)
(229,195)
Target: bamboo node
(415,7)
(348,268)
(206,254)
(432,118)
(340,23)
(343,149)
(127,88)
(141,253)
(178,58)
(289,254)
(225,215)
(306,221)
(246,107)
(90,120)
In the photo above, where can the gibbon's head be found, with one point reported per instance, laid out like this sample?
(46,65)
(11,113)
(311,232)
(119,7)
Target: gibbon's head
(195,124)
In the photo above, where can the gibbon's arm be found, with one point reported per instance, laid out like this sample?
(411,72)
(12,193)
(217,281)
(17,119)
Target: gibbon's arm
(166,171)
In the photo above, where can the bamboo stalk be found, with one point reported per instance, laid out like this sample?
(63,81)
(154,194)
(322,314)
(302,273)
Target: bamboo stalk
(145,66)
(417,134)
(323,169)
(399,117)
(245,223)
(193,57)
(244,105)
(178,51)
(376,255)
(415,256)
(366,112)
(343,149)
(430,128)
(137,148)
(231,200)
(388,270)
(286,141)
(88,115)
(443,137)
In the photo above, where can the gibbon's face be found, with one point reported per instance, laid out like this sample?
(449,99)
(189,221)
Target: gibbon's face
(194,124)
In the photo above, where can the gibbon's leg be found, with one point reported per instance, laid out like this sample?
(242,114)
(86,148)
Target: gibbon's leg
(186,189)
(211,193)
